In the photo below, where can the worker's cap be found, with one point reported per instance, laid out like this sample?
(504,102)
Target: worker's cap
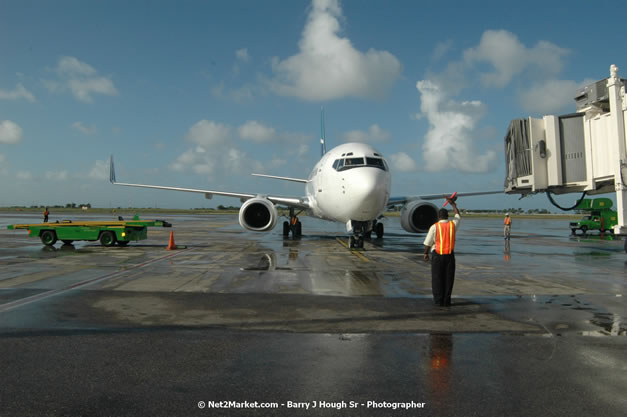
(507,214)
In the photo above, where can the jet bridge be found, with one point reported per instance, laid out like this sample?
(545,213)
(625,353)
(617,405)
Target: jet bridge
(583,152)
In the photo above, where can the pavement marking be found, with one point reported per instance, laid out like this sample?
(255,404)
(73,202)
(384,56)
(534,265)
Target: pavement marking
(34,298)
(353,251)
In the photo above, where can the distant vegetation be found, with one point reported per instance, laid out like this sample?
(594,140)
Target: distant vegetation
(492,211)
(393,211)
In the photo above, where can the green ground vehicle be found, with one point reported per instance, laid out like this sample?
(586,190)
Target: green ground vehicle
(601,216)
(108,233)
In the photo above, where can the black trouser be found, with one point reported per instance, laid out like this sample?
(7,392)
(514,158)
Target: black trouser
(442,277)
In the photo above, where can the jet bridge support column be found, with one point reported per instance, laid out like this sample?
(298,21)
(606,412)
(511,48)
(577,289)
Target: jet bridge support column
(618,107)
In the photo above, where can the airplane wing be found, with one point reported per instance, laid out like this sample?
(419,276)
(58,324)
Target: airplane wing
(296,202)
(393,201)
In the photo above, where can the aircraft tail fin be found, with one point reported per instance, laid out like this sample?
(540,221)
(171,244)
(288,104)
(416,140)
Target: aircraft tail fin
(111,171)
(323,141)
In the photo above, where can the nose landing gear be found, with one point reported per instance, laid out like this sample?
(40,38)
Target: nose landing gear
(363,230)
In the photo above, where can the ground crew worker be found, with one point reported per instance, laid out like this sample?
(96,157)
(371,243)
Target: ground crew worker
(46,213)
(440,242)
(507,230)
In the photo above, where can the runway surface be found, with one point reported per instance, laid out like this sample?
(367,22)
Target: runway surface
(537,323)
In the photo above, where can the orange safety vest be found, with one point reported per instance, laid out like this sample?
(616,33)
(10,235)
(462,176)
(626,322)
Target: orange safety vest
(508,221)
(445,237)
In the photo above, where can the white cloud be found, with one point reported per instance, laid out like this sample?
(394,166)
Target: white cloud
(217,150)
(242,94)
(99,171)
(81,79)
(374,134)
(82,89)
(10,132)
(17,93)
(196,160)
(256,132)
(242,55)
(24,175)
(402,162)
(79,126)
(302,150)
(208,133)
(328,66)
(441,49)
(498,60)
(73,67)
(509,57)
(551,96)
(57,175)
(223,160)
(235,159)
(449,141)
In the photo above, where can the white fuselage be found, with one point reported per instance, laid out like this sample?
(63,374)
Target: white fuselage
(340,188)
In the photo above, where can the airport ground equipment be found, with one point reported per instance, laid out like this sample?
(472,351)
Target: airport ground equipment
(108,233)
(599,216)
(583,152)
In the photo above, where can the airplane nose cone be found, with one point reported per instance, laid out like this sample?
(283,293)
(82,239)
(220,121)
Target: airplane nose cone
(368,194)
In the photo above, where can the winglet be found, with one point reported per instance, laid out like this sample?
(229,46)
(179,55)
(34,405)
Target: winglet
(323,141)
(111,171)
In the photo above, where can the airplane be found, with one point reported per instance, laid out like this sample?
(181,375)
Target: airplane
(349,184)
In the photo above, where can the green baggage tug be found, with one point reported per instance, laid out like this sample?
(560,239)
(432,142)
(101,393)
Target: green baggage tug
(108,233)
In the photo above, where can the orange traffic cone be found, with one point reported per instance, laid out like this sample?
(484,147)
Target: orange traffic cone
(171,245)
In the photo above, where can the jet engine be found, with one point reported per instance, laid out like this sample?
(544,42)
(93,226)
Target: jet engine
(417,216)
(258,214)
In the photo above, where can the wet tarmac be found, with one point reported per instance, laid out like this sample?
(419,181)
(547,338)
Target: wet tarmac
(537,325)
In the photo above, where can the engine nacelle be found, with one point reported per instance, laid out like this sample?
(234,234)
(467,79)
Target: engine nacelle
(417,216)
(258,214)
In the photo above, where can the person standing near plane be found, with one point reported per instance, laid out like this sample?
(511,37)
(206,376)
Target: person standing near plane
(440,242)
(507,229)
(46,213)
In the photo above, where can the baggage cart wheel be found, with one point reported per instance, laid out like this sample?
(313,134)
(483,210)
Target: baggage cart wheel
(48,237)
(107,238)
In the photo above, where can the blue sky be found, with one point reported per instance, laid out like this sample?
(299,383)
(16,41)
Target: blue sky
(202,93)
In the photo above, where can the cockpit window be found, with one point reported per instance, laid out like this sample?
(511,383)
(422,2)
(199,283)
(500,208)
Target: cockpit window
(375,162)
(347,163)
(353,161)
